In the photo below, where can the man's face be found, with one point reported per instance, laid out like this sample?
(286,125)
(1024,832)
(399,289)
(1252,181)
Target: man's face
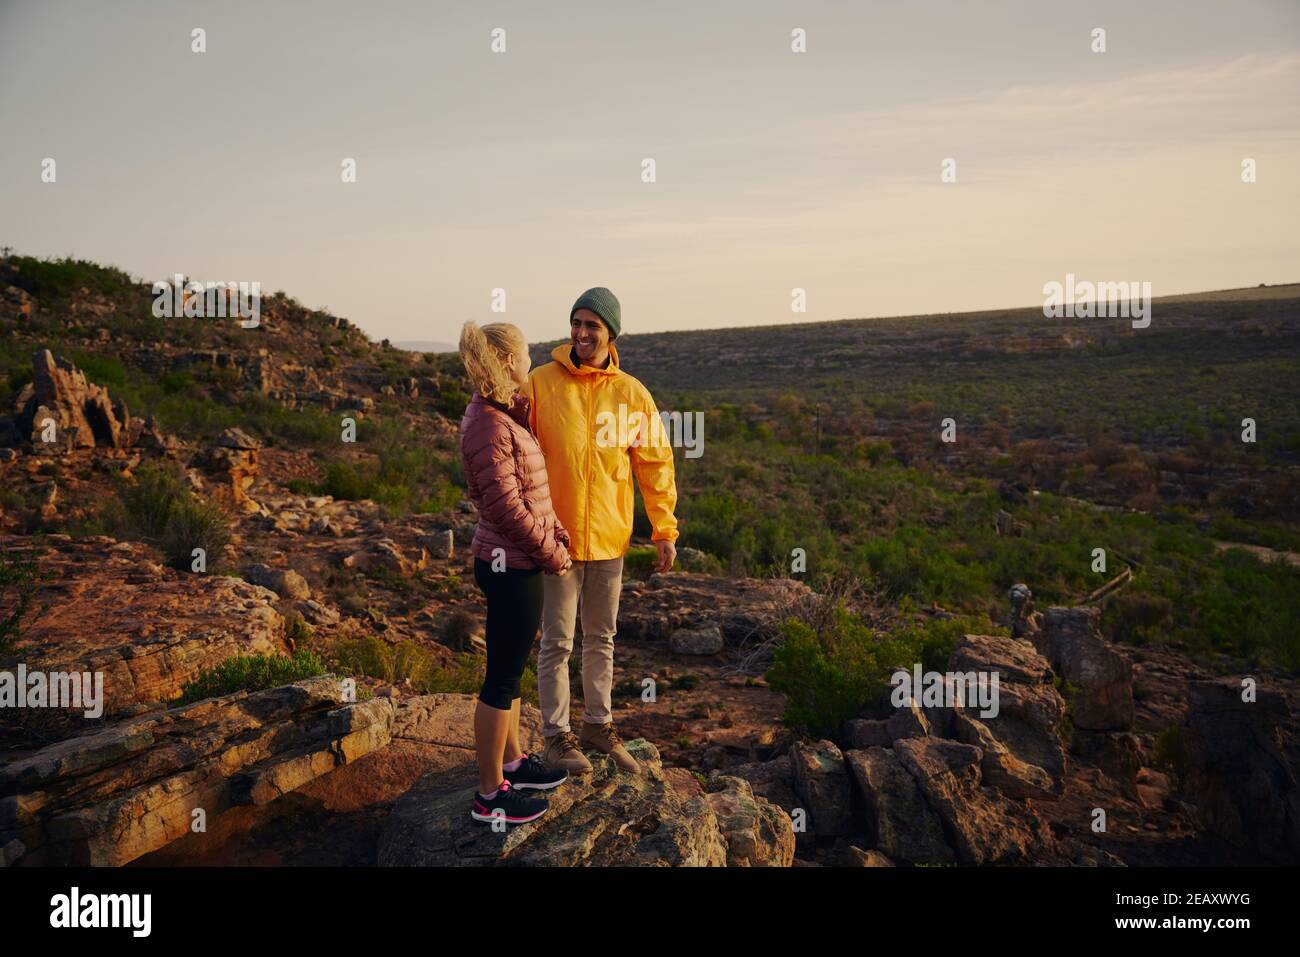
(588,334)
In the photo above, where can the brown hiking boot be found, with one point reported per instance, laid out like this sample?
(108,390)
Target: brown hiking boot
(563,753)
(605,739)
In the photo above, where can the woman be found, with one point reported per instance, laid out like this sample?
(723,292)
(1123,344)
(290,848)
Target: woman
(517,539)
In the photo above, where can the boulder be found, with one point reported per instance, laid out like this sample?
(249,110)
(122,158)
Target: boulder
(773,780)
(285,582)
(440,544)
(706,640)
(1102,677)
(822,782)
(1022,620)
(909,721)
(897,821)
(1237,768)
(385,554)
(757,832)
(983,827)
(602,819)
(1024,748)
(234,458)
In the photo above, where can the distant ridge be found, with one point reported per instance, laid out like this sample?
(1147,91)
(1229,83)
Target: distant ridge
(425,345)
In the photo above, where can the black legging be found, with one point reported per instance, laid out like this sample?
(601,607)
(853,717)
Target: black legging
(514,610)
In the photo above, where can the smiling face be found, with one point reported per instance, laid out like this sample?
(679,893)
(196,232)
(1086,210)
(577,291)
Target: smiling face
(590,338)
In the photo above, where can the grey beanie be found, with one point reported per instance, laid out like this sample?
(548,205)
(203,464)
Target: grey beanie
(604,304)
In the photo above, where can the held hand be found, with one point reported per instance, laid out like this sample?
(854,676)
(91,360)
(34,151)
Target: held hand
(667,555)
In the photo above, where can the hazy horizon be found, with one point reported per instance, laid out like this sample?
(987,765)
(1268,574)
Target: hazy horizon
(775,170)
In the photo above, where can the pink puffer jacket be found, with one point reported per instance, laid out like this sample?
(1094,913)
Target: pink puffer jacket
(505,473)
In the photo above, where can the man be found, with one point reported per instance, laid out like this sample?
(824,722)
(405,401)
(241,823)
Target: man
(598,427)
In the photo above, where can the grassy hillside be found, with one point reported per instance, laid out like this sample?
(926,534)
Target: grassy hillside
(823,437)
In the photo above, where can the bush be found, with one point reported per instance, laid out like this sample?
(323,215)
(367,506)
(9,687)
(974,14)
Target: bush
(162,511)
(149,502)
(20,578)
(296,628)
(829,676)
(375,658)
(1135,617)
(639,562)
(101,370)
(194,523)
(251,673)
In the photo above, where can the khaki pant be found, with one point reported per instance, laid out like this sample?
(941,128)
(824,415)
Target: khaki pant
(591,588)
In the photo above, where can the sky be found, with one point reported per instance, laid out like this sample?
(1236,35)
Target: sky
(522,170)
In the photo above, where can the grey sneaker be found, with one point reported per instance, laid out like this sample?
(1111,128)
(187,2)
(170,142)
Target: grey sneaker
(563,753)
(605,739)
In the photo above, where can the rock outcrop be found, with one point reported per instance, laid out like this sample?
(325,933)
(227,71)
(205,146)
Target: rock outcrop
(606,818)
(981,828)
(234,459)
(60,409)
(822,782)
(107,798)
(1102,677)
(742,609)
(898,822)
(1023,751)
(146,628)
(1245,789)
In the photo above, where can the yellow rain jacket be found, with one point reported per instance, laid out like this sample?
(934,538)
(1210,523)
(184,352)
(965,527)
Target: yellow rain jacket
(595,430)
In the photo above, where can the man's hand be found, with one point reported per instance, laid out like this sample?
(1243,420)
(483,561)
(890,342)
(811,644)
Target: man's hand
(667,555)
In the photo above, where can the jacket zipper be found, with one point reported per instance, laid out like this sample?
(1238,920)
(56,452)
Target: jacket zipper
(590,473)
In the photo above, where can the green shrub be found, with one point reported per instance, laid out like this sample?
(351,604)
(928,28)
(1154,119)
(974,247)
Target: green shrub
(639,562)
(251,673)
(20,579)
(194,523)
(161,510)
(1136,617)
(175,382)
(149,502)
(345,482)
(828,677)
(375,658)
(17,378)
(101,370)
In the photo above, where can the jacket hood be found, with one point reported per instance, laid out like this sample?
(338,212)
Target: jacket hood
(561,355)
